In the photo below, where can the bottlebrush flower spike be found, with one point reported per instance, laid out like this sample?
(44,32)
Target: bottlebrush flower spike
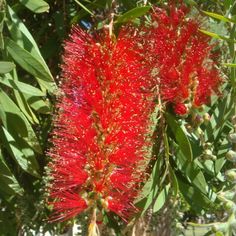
(179,56)
(100,136)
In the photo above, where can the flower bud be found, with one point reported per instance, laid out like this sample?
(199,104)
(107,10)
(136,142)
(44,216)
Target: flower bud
(208,155)
(233,119)
(180,109)
(232,137)
(207,145)
(230,175)
(206,118)
(231,156)
(222,227)
(197,120)
(229,195)
(229,206)
(104,203)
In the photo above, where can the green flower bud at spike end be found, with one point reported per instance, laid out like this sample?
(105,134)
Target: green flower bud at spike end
(232,138)
(231,156)
(230,175)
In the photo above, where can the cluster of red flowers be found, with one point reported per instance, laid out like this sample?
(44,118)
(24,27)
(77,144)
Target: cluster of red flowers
(101,132)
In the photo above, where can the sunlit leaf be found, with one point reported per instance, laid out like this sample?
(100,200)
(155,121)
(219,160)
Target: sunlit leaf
(219,17)
(217,36)
(20,86)
(37,6)
(6,67)
(161,199)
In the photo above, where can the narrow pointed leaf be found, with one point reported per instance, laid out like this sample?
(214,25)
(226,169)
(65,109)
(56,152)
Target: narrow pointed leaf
(219,17)
(84,7)
(7,179)
(37,6)
(16,123)
(25,40)
(217,36)
(161,199)
(20,86)
(27,61)
(132,14)
(181,138)
(28,165)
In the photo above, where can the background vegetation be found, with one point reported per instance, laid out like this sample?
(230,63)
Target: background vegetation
(196,183)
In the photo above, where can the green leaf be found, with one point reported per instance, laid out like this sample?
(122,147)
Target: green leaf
(219,17)
(25,107)
(19,95)
(84,7)
(174,181)
(8,182)
(27,61)
(22,36)
(37,6)
(132,14)
(229,64)
(16,123)
(227,3)
(217,36)
(161,199)
(150,189)
(24,39)
(38,104)
(6,67)
(153,179)
(180,136)
(28,165)
(194,175)
(2,18)
(20,86)
(197,200)
(112,221)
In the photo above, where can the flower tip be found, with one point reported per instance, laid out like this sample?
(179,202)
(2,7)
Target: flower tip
(180,109)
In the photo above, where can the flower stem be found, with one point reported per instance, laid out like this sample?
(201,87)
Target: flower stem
(93,228)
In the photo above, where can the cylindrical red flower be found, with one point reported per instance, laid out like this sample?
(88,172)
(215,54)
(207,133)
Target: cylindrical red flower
(101,130)
(179,57)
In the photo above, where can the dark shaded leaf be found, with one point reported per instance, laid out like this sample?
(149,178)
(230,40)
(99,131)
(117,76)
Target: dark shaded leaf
(16,123)
(28,165)
(8,182)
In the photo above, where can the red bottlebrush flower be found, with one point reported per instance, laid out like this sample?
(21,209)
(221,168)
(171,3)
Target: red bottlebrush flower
(102,124)
(178,55)
(180,109)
